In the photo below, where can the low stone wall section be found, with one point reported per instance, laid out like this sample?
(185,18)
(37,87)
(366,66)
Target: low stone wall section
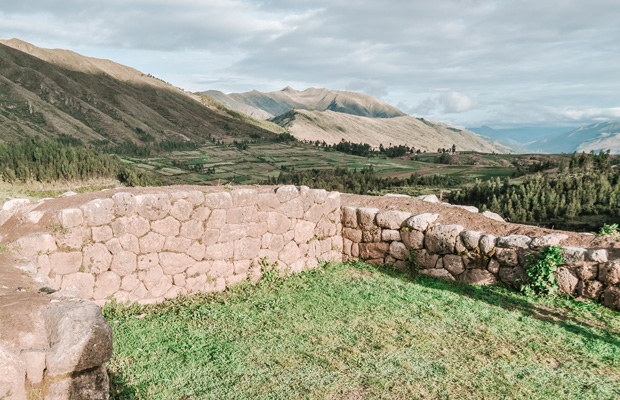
(451,252)
(148,247)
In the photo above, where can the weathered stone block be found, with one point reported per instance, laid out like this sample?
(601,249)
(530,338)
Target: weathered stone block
(152,243)
(232,232)
(175,263)
(290,253)
(471,239)
(256,229)
(66,263)
(493,266)
(241,215)
(35,244)
(392,219)
(507,257)
(478,277)
(35,365)
(244,197)
(278,223)
(492,215)
(153,206)
(124,263)
(440,239)
(421,222)
(412,238)
(221,269)
(437,273)
(124,204)
(597,255)
(487,244)
(349,217)
(182,209)
(98,212)
(399,251)
(79,337)
(196,251)
(222,200)
(587,272)
(373,250)
(196,197)
(246,248)
(314,213)
(574,255)
(168,226)
(287,193)
(74,238)
(611,298)
(107,284)
(81,280)
(567,282)
(366,218)
(177,244)
(425,260)
(389,235)
(101,233)
(304,231)
(453,264)
(192,229)
(97,258)
(70,217)
(217,219)
(609,273)
(293,208)
(201,214)
(371,235)
(590,289)
(147,261)
(548,240)
(130,243)
(268,202)
(220,251)
(513,241)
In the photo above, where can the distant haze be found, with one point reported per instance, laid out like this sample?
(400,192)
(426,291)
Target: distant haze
(470,63)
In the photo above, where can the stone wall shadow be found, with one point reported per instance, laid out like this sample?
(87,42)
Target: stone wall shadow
(497,296)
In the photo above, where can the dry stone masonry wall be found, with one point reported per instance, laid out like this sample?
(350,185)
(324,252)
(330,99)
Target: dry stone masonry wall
(452,252)
(148,247)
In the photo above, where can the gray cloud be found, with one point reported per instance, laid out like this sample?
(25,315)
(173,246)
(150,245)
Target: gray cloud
(461,61)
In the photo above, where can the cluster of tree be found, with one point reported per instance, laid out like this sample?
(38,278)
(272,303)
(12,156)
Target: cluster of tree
(365,150)
(590,187)
(533,168)
(364,181)
(130,148)
(63,160)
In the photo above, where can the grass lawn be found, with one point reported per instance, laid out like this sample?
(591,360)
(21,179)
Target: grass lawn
(353,331)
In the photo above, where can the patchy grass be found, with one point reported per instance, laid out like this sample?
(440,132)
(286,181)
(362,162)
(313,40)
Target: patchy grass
(353,331)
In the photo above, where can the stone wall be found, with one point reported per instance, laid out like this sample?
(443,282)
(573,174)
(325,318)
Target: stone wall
(148,247)
(451,252)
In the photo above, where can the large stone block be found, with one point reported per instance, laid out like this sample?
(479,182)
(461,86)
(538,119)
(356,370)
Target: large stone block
(98,212)
(97,258)
(217,219)
(246,248)
(35,244)
(354,235)
(220,251)
(153,206)
(101,233)
(79,337)
(70,217)
(440,239)
(574,255)
(548,240)
(597,255)
(106,285)
(177,244)
(366,218)
(201,214)
(349,217)
(373,250)
(182,209)
(168,226)
(567,282)
(66,263)
(514,241)
(425,260)
(390,235)
(278,223)
(477,277)
(242,215)
(290,253)
(196,251)
(453,264)
(268,202)
(304,231)
(314,213)
(129,243)
(124,263)
(175,263)
(611,298)
(124,204)
(371,235)
(471,239)
(507,257)
(244,197)
(148,261)
(152,242)
(192,229)
(292,209)
(392,219)
(590,289)
(83,281)
(412,239)
(399,251)
(74,238)
(287,193)
(437,273)
(487,244)
(421,222)
(609,273)
(221,200)
(232,232)
(587,272)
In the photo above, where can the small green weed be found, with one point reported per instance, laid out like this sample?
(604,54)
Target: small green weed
(609,230)
(413,262)
(541,271)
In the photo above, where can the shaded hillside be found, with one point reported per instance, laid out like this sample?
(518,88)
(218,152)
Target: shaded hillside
(269,105)
(594,137)
(332,127)
(49,92)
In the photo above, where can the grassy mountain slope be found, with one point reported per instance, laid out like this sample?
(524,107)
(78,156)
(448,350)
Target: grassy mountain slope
(269,105)
(597,137)
(332,127)
(49,92)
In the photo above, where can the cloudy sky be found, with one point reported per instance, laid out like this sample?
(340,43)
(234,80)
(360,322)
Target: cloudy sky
(467,62)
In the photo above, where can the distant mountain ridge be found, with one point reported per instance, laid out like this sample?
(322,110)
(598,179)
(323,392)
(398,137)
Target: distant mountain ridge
(268,105)
(596,137)
(47,92)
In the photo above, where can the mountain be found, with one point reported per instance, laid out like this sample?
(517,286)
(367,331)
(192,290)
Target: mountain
(332,127)
(594,137)
(48,92)
(523,135)
(268,105)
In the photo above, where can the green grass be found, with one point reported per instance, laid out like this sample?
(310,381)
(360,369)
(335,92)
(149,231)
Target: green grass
(353,331)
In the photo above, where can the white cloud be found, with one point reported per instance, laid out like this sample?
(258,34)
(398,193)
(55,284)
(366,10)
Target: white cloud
(455,102)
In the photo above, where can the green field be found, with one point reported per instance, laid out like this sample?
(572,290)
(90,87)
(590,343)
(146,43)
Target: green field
(353,331)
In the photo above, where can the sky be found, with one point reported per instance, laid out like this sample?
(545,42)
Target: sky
(502,63)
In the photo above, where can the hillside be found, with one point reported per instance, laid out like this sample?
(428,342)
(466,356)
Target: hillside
(332,127)
(272,104)
(49,92)
(594,137)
